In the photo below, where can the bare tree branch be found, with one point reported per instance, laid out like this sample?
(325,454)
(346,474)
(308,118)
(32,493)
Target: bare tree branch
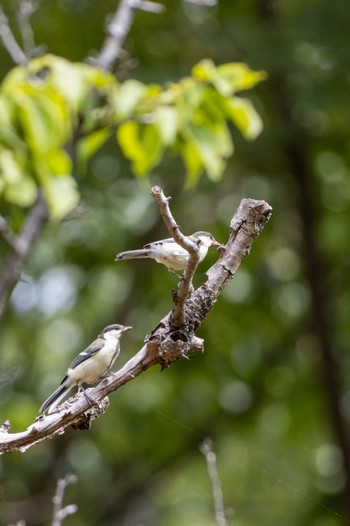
(203,3)
(35,220)
(163,346)
(118,28)
(26,10)
(10,43)
(60,512)
(7,234)
(207,449)
(178,314)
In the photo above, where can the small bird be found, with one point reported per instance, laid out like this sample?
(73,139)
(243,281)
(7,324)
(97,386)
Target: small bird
(168,252)
(89,366)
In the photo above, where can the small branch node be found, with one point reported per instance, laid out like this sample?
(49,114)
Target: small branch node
(5,427)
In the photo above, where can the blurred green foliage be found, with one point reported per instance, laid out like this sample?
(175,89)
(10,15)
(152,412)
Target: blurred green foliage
(257,390)
(50,103)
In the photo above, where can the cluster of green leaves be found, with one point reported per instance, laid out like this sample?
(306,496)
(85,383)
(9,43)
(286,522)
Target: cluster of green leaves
(52,104)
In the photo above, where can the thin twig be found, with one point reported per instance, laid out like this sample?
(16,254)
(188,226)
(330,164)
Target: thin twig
(35,220)
(10,43)
(179,311)
(60,512)
(203,3)
(118,29)
(25,11)
(207,449)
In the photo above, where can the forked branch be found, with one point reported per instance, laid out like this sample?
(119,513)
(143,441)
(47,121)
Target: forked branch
(178,313)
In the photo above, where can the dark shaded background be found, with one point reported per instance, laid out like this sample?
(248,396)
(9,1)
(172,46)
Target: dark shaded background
(272,388)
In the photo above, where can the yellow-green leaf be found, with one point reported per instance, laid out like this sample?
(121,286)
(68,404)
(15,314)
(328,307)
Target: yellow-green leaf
(243,114)
(227,78)
(16,184)
(167,123)
(127,97)
(61,194)
(141,144)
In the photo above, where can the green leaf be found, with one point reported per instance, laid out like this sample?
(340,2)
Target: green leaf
(128,96)
(192,160)
(141,144)
(16,184)
(8,136)
(57,162)
(89,145)
(41,117)
(213,144)
(167,124)
(61,194)
(243,114)
(73,81)
(240,76)
(227,78)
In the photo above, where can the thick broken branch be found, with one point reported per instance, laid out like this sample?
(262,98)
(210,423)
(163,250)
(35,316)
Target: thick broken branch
(163,346)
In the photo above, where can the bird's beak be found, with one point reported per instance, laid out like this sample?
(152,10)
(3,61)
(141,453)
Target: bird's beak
(219,247)
(126,328)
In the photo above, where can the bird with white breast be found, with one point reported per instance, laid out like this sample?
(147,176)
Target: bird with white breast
(89,366)
(170,253)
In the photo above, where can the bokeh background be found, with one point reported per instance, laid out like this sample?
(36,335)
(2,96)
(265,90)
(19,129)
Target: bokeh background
(272,389)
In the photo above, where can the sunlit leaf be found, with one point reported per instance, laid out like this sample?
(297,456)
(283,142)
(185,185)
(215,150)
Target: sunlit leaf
(240,76)
(61,194)
(72,80)
(213,145)
(8,136)
(192,160)
(141,144)
(127,97)
(167,123)
(43,118)
(243,114)
(228,78)
(16,184)
(89,145)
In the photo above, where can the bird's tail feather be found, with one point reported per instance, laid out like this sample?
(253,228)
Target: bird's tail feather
(133,254)
(55,398)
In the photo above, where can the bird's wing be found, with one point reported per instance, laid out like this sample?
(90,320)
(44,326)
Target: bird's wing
(84,355)
(155,244)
